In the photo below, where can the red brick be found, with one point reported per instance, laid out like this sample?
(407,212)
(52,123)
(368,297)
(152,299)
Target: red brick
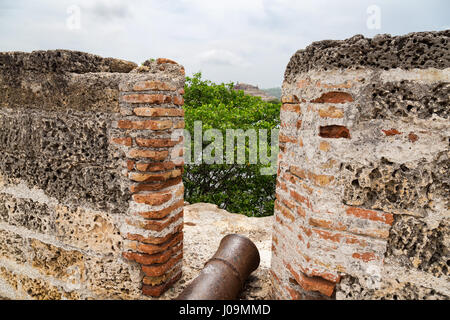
(370,232)
(284,211)
(274,276)
(146,259)
(155,166)
(334,97)
(366,257)
(127,141)
(335,237)
(155,186)
(130,165)
(159,270)
(154,240)
(179,125)
(157,291)
(157,143)
(150,154)
(301,199)
(355,240)
(145,125)
(290,99)
(325,275)
(295,295)
(327,224)
(153,199)
(413,137)
(301,212)
(153,85)
(320,180)
(158,112)
(152,248)
(274,239)
(157,281)
(178,101)
(154,177)
(298,172)
(335,132)
(156,225)
(287,139)
(147,98)
(288,204)
(318,284)
(291,178)
(161,214)
(386,218)
(391,132)
(164,60)
(291,108)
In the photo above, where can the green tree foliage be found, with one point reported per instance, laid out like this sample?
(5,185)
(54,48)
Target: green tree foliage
(237,188)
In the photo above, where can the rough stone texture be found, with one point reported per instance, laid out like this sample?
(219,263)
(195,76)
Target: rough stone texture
(362,207)
(350,289)
(407,99)
(62,61)
(13,247)
(399,187)
(60,79)
(66,188)
(204,226)
(427,249)
(420,50)
(66,155)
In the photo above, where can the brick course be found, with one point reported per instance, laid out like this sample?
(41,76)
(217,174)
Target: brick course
(154,171)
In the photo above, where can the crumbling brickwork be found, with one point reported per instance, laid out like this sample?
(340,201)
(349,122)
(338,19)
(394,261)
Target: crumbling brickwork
(362,208)
(91,194)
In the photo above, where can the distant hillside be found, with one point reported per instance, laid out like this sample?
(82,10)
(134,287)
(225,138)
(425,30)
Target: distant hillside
(256,92)
(274,92)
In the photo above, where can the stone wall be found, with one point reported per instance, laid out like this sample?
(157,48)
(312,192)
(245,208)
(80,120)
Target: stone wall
(90,176)
(362,208)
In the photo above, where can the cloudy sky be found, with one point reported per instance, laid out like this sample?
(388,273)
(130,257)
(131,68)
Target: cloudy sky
(231,40)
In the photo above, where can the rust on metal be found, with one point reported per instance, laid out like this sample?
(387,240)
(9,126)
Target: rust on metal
(224,275)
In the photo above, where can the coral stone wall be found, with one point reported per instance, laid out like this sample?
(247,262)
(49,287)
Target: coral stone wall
(362,208)
(90,176)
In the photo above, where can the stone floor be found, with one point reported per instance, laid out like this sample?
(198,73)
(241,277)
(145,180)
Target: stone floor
(205,225)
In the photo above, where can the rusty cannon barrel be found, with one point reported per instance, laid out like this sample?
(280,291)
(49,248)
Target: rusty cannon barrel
(224,275)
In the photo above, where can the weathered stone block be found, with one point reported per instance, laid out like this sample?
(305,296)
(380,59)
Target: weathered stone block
(13,247)
(56,262)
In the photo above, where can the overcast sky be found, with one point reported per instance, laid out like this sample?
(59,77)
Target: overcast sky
(231,40)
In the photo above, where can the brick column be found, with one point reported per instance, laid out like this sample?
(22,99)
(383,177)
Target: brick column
(150,129)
